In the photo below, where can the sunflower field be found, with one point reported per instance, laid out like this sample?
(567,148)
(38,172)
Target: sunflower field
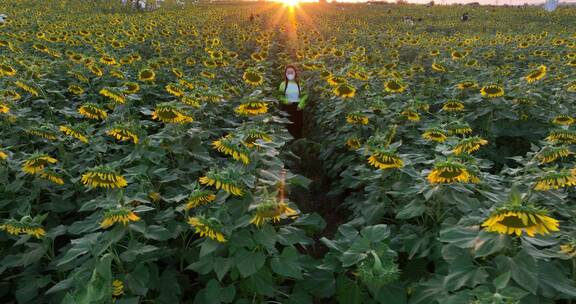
(144,157)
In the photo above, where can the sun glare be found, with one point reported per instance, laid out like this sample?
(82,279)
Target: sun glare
(290,2)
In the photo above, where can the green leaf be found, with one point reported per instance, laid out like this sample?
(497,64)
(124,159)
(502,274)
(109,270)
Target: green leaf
(157,233)
(222,266)
(391,294)
(214,293)
(463,237)
(348,291)
(525,271)
(249,262)
(488,243)
(348,231)
(552,277)
(319,283)
(313,222)
(356,253)
(260,283)
(287,263)
(169,287)
(208,246)
(80,247)
(266,237)
(376,233)
(414,209)
(138,280)
(501,281)
(99,288)
(464,273)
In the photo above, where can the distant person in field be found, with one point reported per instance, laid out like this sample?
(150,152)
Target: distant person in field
(465,17)
(293,100)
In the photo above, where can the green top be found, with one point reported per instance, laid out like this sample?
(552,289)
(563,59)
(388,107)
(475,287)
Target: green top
(303,96)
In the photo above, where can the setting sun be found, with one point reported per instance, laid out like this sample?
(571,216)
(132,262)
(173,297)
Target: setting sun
(290,2)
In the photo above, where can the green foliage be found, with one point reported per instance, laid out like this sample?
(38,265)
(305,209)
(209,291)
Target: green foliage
(138,164)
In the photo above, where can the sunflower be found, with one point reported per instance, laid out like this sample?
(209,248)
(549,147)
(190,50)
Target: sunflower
(116,97)
(185,83)
(51,176)
(253,135)
(469,145)
(357,119)
(178,72)
(103,177)
(252,108)
(75,89)
(270,210)
(170,114)
(10,95)
(40,47)
(344,90)
(453,106)
(191,101)
(335,80)
(563,120)
(449,172)
(550,154)
(6,70)
(438,67)
(325,74)
(207,227)
(117,288)
(70,131)
(31,90)
(207,74)
(199,198)
(123,133)
(96,70)
(108,60)
(562,136)
(225,180)
(36,163)
(516,219)
(393,86)
(472,63)
(43,132)
(120,215)
(353,143)
(458,55)
(568,249)
(4,108)
(131,87)
(385,160)
(16,228)
(436,135)
(92,111)
(146,75)
(555,180)
(174,89)
(227,146)
(253,78)
(411,115)
(536,75)
(117,74)
(492,91)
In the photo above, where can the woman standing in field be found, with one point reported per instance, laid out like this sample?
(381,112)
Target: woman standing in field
(293,100)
